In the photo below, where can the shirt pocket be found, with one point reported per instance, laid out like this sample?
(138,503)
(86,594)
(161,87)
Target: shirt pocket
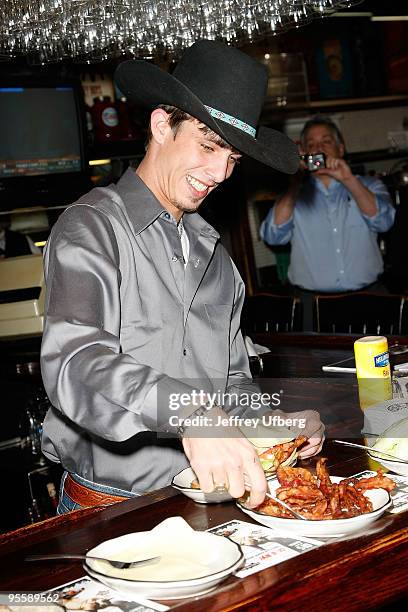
(219,319)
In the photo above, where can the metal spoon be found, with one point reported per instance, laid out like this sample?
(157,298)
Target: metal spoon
(285,505)
(372,450)
(114,563)
(282,503)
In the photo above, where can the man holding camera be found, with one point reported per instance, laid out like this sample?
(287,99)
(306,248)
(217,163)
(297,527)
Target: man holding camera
(331,217)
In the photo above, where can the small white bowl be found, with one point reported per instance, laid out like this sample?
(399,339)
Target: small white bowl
(398,467)
(182,482)
(396,432)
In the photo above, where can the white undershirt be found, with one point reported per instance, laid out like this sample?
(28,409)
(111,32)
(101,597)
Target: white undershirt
(185,243)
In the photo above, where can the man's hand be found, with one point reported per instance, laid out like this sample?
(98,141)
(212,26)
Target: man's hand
(313,430)
(336,168)
(220,455)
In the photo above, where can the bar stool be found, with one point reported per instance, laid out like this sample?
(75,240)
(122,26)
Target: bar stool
(359,313)
(267,312)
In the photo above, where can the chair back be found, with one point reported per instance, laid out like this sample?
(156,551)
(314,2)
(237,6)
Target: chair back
(267,312)
(359,313)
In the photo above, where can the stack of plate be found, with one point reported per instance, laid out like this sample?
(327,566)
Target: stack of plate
(190,562)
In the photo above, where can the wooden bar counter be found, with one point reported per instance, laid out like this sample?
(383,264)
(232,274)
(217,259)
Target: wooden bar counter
(363,572)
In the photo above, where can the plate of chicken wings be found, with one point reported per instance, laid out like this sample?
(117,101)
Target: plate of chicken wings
(331,506)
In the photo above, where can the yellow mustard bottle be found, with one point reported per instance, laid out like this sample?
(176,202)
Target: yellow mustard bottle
(373,370)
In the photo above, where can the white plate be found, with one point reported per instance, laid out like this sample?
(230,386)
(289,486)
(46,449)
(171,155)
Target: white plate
(398,467)
(182,482)
(327,528)
(164,593)
(191,562)
(393,440)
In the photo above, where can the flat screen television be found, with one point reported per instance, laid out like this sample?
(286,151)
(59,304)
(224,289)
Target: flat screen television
(42,127)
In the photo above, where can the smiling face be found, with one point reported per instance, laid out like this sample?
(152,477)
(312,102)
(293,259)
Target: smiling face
(182,167)
(319,138)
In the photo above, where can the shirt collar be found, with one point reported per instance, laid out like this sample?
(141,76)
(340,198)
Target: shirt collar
(143,207)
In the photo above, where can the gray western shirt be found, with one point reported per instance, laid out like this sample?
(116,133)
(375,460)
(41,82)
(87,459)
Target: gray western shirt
(126,324)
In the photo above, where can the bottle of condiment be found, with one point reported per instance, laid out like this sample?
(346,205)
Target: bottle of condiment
(373,370)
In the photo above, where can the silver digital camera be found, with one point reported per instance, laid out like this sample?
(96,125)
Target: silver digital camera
(314,161)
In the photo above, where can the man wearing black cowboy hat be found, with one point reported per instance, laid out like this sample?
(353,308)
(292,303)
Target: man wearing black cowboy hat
(141,336)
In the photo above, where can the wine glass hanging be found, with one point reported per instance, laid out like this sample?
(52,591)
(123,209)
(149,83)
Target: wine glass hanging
(93,30)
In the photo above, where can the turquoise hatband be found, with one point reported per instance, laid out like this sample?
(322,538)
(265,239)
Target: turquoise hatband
(241,125)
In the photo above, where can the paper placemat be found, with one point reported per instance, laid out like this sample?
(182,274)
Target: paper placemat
(399,496)
(88,594)
(262,546)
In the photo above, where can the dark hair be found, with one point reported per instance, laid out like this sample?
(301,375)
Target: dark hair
(322,120)
(177,117)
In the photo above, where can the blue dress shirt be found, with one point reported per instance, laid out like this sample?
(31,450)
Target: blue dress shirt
(334,245)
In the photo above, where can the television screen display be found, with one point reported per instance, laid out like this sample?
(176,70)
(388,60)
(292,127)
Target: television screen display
(40,131)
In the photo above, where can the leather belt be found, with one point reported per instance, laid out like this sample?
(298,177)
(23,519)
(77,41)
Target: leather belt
(86,497)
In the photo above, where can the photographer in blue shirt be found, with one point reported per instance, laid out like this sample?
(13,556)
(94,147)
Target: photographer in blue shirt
(331,217)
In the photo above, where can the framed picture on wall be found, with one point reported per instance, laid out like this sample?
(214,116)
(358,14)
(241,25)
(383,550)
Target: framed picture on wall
(334,66)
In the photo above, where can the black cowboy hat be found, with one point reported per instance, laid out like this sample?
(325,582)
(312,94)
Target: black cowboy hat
(221,87)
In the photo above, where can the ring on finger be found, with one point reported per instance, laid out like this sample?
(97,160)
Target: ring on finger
(221,486)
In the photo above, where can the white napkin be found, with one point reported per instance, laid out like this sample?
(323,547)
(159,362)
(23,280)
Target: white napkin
(250,347)
(254,349)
